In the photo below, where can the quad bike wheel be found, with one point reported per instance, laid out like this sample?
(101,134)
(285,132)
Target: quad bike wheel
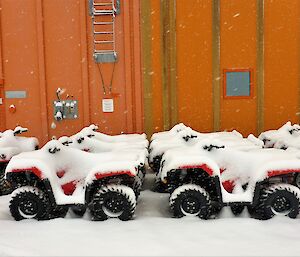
(113,201)
(297,180)
(5,186)
(57,212)
(280,199)
(79,210)
(159,186)
(237,209)
(190,200)
(29,203)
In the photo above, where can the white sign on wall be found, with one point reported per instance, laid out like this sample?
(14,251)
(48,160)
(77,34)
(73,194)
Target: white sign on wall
(108,105)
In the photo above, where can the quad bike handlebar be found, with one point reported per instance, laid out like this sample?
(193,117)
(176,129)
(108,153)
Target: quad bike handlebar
(211,147)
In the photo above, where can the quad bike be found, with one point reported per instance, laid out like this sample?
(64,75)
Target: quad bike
(210,176)
(187,138)
(286,136)
(92,132)
(89,144)
(89,140)
(12,144)
(48,181)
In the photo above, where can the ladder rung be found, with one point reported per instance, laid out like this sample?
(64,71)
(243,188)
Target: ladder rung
(103,12)
(103,51)
(103,4)
(103,23)
(103,42)
(103,32)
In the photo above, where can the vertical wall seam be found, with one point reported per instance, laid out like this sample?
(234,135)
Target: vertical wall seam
(3,108)
(260,64)
(138,67)
(164,57)
(132,73)
(216,72)
(84,63)
(42,67)
(169,58)
(147,64)
(173,63)
(127,60)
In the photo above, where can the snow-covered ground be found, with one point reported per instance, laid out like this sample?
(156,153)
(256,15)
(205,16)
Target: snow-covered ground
(152,233)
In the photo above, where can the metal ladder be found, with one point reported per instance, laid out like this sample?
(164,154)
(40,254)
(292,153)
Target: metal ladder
(103,14)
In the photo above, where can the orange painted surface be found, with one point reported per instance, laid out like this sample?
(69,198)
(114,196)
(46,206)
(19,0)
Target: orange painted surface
(157,115)
(48,44)
(282,55)
(238,50)
(194,64)
(20,63)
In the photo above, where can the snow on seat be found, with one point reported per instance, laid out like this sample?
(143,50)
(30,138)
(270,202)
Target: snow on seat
(95,146)
(11,144)
(92,131)
(189,137)
(70,170)
(286,136)
(168,134)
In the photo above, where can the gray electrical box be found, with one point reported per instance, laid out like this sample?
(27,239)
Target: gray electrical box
(65,109)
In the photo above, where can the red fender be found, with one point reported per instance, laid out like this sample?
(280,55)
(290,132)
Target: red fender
(113,173)
(34,170)
(273,173)
(204,167)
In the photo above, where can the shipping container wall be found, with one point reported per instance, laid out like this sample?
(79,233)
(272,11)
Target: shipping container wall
(202,51)
(46,45)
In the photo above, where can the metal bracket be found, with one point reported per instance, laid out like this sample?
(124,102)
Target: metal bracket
(105,57)
(117,6)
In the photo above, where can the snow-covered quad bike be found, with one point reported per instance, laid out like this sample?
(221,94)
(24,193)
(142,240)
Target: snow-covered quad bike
(211,176)
(185,136)
(168,134)
(189,138)
(92,131)
(89,144)
(286,136)
(48,181)
(12,144)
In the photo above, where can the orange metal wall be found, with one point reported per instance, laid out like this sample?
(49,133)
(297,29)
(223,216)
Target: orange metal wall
(194,64)
(157,66)
(238,50)
(282,57)
(48,44)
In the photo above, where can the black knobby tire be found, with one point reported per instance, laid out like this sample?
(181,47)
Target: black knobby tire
(297,180)
(279,199)
(237,209)
(5,186)
(113,201)
(79,210)
(29,203)
(159,186)
(190,200)
(58,211)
